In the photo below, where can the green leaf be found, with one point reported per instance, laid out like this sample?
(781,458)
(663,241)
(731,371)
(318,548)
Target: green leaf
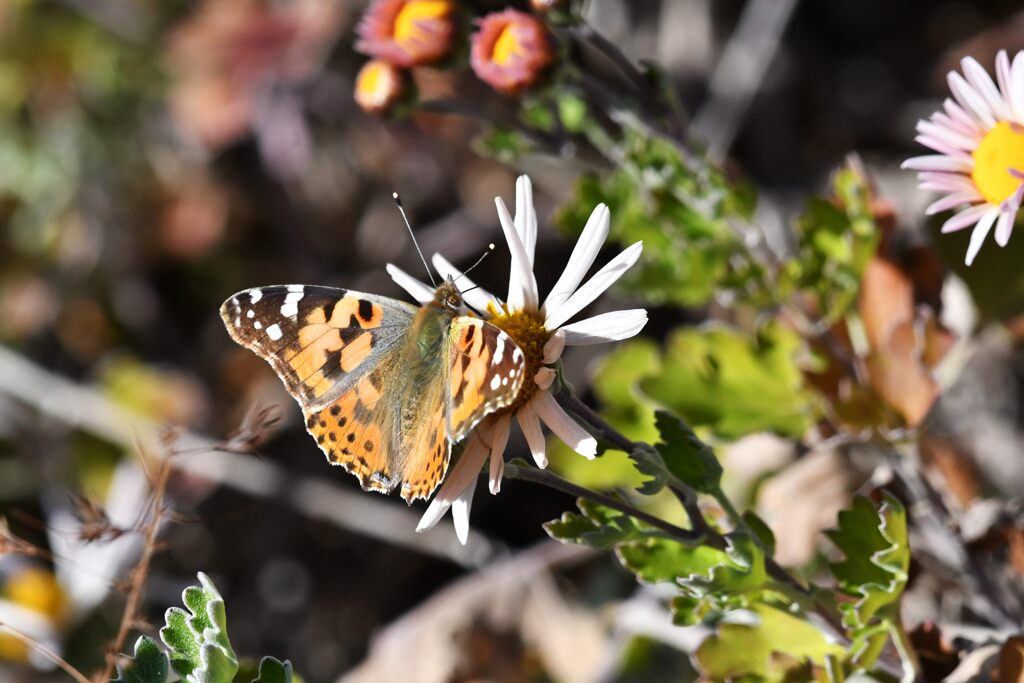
(743,570)
(751,644)
(877,558)
(650,463)
(598,526)
(661,560)
(274,671)
(761,530)
(720,379)
(148,665)
(200,651)
(687,457)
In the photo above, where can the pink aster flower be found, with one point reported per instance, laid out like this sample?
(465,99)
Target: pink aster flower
(542,331)
(407,33)
(510,50)
(979,140)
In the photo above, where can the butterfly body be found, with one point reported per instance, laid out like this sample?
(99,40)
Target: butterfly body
(386,388)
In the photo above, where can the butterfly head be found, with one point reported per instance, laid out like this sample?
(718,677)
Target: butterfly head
(448,297)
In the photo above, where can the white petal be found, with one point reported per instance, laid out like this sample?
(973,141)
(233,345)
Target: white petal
(943,147)
(419,291)
(522,286)
(475,296)
(544,378)
(460,514)
(565,428)
(499,440)
(594,287)
(606,327)
(952,200)
(962,117)
(1004,75)
(1004,228)
(947,135)
(553,347)
(965,218)
(979,234)
(970,99)
(461,477)
(983,85)
(582,258)
(938,162)
(526,216)
(530,424)
(1017,87)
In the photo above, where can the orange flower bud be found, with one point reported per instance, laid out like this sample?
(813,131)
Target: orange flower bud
(407,32)
(378,86)
(510,50)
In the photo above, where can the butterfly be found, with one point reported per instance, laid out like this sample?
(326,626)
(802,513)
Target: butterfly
(386,387)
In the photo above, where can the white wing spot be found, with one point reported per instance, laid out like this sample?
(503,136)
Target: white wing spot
(274,332)
(499,349)
(296,289)
(250,314)
(290,307)
(258,325)
(517,355)
(495,383)
(255,295)
(504,381)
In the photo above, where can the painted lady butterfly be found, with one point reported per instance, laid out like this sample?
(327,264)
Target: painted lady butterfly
(386,387)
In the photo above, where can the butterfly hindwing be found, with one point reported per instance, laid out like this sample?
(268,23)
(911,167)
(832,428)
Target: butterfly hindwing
(319,340)
(485,372)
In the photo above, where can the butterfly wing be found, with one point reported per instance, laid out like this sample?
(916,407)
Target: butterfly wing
(485,373)
(334,349)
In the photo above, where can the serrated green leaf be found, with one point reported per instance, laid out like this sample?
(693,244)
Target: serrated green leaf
(649,463)
(752,646)
(722,380)
(661,560)
(874,569)
(149,664)
(274,671)
(743,570)
(197,639)
(598,526)
(685,456)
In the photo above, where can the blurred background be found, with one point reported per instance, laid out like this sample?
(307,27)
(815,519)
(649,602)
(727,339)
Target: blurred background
(156,157)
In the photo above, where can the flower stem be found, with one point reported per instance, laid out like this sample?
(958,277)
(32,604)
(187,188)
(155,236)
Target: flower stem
(552,480)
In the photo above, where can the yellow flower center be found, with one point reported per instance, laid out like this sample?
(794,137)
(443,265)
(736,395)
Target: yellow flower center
(506,46)
(376,82)
(407,22)
(1000,150)
(528,332)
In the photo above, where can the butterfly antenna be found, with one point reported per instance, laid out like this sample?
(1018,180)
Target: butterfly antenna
(401,210)
(490,248)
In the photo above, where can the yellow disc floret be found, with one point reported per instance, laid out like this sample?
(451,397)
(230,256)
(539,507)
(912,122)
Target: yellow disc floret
(527,330)
(506,46)
(1001,150)
(415,11)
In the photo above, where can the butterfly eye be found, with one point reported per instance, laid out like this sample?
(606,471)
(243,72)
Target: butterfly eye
(453,301)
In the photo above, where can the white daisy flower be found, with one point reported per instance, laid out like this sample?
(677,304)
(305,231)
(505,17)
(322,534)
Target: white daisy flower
(979,137)
(541,332)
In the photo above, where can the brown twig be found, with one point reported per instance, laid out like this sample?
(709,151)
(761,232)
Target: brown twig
(46,652)
(140,572)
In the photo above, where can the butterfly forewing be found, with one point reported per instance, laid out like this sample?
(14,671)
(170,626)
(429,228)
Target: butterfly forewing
(319,340)
(485,373)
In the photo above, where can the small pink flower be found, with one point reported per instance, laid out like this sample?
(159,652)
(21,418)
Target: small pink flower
(378,86)
(407,33)
(510,50)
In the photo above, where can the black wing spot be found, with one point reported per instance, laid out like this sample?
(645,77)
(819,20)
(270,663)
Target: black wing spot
(335,410)
(342,421)
(351,437)
(368,447)
(365,310)
(470,331)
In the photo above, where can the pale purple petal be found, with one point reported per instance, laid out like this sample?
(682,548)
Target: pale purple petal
(1004,228)
(582,258)
(979,234)
(565,428)
(606,327)
(970,99)
(419,291)
(1017,87)
(499,440)
(978,77)
(938,162)
(522,286)
(951,137)
(943,147)
(475,296)
(963,117)
(965,218)
(594,287)
(972,133)
(530,424)
(953,200)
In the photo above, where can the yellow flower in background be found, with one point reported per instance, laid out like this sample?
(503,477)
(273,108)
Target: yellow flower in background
(407,33)
(36,590)
(378,86)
